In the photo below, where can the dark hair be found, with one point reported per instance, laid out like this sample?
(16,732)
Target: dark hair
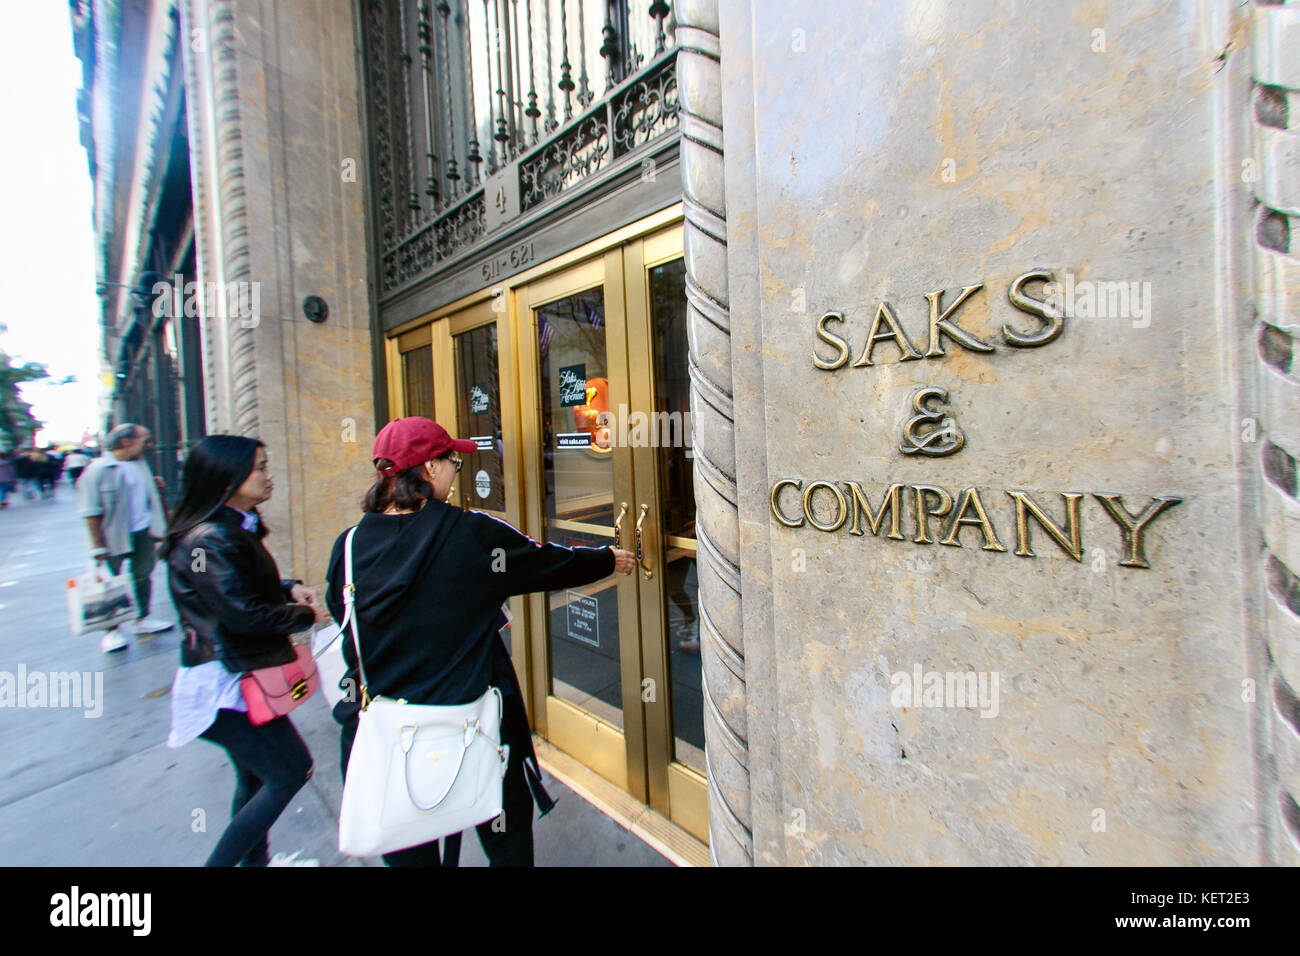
(407,490)
(214,470)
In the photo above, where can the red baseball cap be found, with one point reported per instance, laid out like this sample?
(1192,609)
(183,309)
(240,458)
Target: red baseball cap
(408,442)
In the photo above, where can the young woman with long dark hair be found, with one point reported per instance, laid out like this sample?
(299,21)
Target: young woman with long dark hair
(430,580)
(237,616)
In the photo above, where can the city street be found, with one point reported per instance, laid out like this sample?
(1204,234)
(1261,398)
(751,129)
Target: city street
(87,789)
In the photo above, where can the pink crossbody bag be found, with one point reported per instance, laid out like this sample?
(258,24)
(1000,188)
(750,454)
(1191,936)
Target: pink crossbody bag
(272,692)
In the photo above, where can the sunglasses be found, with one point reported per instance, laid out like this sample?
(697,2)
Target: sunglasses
(456,460)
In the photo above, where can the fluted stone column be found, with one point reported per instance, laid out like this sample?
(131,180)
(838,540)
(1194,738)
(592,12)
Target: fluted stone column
(699,80)
(1276,243)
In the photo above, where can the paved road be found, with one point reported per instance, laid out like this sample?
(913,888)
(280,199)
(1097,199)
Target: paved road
(80,790)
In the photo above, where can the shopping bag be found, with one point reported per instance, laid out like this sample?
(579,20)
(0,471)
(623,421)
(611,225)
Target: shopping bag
(327,650)
(98,600)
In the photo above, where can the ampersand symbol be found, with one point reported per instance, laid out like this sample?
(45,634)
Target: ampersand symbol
(945,439)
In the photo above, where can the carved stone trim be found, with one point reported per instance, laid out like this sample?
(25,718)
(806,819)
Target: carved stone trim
(237,262)
(699,71)
(1276,134)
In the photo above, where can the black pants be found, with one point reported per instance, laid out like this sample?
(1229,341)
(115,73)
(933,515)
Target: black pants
(271,765)
(507,842)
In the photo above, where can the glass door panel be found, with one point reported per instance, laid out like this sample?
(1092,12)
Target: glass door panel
(578,484)
(482,484)
(676,492)
(667,581)
(418,367)
(585,640)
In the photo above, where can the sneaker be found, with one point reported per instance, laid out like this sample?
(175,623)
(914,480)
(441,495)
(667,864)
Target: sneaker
(113,640)
(291,859)
(150,625)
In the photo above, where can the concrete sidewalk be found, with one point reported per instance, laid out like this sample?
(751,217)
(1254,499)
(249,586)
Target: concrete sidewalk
(79,790)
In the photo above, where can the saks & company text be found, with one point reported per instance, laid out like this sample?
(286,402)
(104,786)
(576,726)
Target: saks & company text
(939,516)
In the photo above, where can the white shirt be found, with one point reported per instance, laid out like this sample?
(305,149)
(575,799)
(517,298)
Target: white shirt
(197,694)
(135,480)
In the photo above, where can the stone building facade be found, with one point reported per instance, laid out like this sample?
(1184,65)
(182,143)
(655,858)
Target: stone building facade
(979,542)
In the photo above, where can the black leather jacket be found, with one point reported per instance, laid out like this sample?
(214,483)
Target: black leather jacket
(232,603)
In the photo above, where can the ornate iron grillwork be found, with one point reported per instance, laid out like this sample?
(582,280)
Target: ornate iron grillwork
(571,157)
(436,242)
(458,90)
(645,109)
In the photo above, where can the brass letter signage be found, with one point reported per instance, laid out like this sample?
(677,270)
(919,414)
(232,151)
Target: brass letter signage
(937,515)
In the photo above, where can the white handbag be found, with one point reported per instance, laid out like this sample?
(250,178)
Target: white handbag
(417,772)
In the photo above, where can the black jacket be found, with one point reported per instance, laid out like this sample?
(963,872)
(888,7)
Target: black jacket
(430,586)
(232,603)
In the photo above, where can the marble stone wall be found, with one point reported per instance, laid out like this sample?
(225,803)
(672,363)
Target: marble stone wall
(1123,714)
(275,141)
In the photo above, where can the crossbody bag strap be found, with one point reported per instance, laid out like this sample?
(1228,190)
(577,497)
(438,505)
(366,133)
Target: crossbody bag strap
(347,615)
(350,613)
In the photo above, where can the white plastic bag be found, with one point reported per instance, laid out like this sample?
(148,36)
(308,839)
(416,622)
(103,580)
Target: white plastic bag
(98,600)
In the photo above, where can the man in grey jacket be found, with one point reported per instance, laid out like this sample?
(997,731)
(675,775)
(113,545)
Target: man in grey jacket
(124,515)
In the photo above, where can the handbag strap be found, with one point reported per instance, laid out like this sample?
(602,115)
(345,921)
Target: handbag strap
(350,613)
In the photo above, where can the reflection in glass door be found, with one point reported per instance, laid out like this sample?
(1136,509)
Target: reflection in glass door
(478,392)
(676,496)
(578,480)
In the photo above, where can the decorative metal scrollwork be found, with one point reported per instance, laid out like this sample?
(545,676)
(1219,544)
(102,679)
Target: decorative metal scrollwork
(424,178)
(645,109)
(573,156)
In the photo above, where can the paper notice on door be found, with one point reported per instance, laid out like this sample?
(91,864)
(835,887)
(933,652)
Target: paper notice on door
(573,440)
(583,613)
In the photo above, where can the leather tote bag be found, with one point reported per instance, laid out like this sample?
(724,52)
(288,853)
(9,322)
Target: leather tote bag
(417,772)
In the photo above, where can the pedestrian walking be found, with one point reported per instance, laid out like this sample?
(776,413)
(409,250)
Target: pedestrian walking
(124,516)
(25,470)
(7,478)
(48,466)
(430,580)
(74,463)
(237,615)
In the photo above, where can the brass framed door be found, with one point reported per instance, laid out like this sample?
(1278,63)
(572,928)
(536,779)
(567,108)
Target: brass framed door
(658,428)
(476,397)
(605,393)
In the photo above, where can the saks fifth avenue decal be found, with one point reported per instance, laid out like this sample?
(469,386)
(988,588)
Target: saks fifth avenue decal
(934,515)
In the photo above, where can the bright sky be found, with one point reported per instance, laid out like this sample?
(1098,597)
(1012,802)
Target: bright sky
(47,270)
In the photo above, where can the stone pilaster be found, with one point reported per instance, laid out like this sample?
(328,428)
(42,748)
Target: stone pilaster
(279,189)
(699,81)
(1276,71)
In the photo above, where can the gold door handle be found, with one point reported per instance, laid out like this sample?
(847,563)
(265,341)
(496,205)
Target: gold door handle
(618,526)
(640,550)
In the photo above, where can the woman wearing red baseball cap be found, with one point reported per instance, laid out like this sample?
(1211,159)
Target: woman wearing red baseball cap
(430,580)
